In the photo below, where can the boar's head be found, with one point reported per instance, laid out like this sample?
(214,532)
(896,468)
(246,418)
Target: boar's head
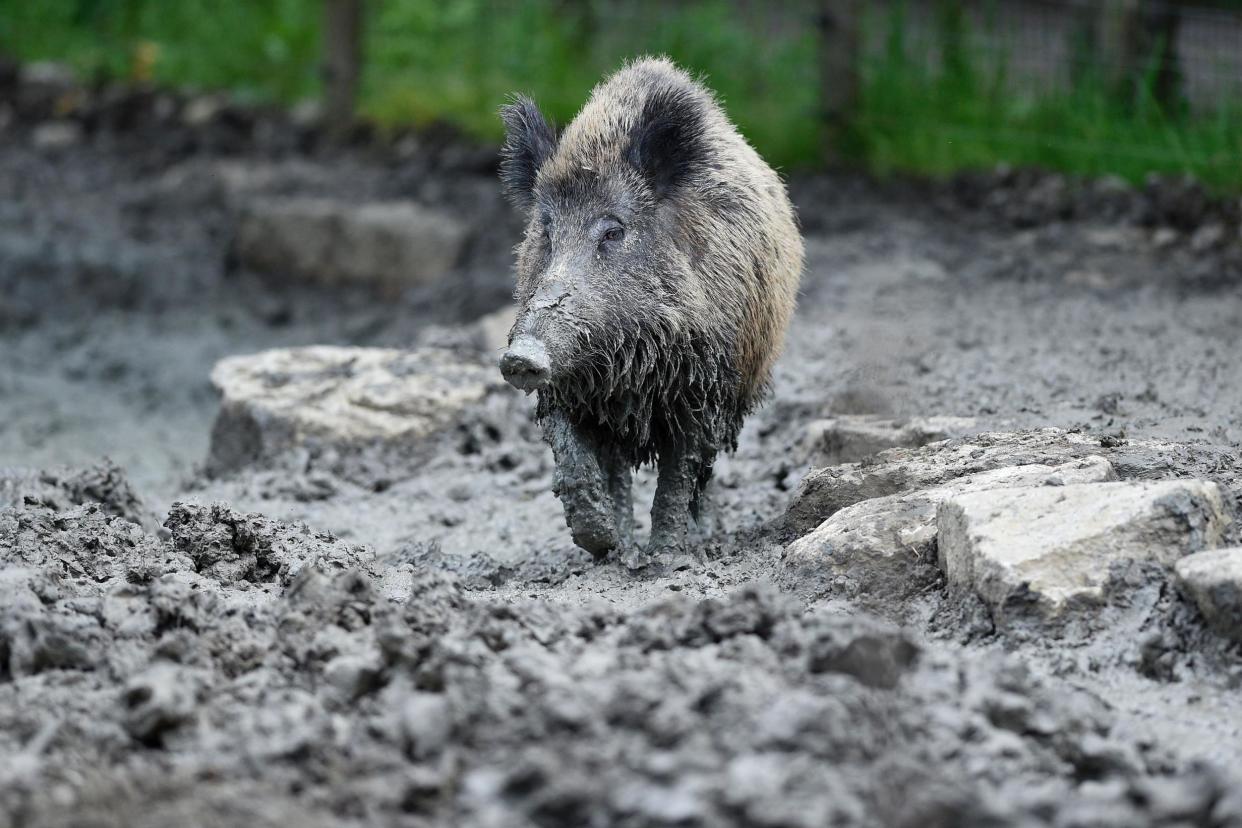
(603,288)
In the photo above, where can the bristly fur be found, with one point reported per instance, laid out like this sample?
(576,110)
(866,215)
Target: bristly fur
(667,141)
(530,141)
(645,389)
(674,350)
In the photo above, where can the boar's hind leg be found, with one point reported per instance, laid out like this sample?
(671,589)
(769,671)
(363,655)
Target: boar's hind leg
(670,513)
(705,511)
(580,484)
(618,474)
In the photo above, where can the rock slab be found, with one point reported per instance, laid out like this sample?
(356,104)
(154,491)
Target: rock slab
(851,438)
(1051,548)
(874,544)
(389,245)
(322,398)
(824,491)
(1213,580)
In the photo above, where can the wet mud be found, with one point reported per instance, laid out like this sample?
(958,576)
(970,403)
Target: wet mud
(365,640)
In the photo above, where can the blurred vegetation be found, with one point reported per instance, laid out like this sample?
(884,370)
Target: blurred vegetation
(963,112)
(934,103)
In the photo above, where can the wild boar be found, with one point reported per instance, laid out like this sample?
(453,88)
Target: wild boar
(655,281)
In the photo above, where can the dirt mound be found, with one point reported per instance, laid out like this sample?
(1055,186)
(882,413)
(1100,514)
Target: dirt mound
(256,668)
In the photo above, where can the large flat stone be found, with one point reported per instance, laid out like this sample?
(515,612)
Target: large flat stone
(875,544)
(386,244)
(824,491)
(851,438)
(1213,580)
(324,398)
(1050,549)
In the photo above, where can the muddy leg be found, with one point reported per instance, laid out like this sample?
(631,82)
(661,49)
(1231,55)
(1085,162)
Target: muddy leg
(670,512)
(618,477)
(707,515)
(580,484)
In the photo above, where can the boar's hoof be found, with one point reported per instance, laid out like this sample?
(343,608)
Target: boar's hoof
(525,364)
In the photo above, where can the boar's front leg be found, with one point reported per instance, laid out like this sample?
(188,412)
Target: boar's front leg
(579,481)
(670,512)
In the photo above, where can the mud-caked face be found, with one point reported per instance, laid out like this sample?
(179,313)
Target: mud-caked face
(596,265)
(603,259)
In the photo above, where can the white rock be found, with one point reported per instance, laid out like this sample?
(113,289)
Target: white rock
(56,135)
(1164,237)
(1051,548)
(48,74)
(307,112)
(202,110)
(1213,579)
(1207,237)
(874,543)
(340,399)
(850,438)
(388,244)
(824,491)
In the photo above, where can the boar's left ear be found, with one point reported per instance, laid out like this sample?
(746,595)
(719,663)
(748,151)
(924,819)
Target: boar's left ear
(529,142)
(668,141)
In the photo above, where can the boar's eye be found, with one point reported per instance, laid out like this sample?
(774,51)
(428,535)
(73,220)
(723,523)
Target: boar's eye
(611,236)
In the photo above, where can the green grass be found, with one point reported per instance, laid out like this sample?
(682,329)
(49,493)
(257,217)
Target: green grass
(457,60)
(439,60)
(461,64)
(964,113)
(266,50)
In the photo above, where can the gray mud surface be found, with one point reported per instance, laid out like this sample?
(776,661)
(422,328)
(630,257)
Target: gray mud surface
(359,642)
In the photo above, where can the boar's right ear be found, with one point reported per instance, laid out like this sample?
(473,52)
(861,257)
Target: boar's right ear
(529,142)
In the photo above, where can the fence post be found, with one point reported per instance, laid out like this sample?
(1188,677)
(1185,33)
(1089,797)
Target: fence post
(1118,41)
(1132,33)
(840,50)
(342,63)
(1161,26)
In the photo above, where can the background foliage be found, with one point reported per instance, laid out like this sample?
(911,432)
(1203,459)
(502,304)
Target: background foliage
(935,96)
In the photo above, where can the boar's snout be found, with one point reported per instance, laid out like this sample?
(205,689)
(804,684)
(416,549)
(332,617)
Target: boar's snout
(525,364)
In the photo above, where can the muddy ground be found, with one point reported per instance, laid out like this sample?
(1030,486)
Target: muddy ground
(421,645)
